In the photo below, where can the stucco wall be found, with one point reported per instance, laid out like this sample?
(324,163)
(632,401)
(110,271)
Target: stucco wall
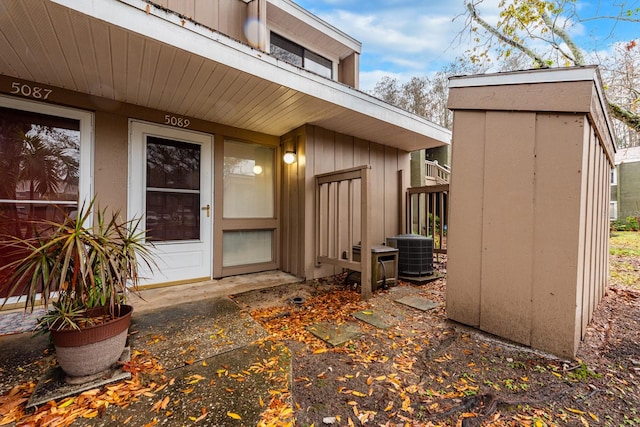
(110,166)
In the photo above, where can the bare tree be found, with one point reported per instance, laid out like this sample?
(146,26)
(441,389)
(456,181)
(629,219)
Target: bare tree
(621,71)
(425,96)
(388,90)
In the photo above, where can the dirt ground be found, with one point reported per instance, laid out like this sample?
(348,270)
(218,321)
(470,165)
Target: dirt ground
(423,370)
(429,371)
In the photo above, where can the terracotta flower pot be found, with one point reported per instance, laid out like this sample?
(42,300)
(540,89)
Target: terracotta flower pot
(94,349)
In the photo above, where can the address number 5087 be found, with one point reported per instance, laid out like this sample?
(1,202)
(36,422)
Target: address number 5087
(29,91)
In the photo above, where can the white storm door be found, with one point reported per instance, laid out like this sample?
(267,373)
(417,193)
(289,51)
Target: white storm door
(170,188)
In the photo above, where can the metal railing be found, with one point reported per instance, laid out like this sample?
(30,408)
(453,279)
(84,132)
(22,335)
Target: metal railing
(427,214)
(341,197)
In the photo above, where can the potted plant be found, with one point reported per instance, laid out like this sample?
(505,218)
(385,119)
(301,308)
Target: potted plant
(83,273)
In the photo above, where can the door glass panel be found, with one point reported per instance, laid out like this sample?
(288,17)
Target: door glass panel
(39,173)
(173,190)
(247,247)
(248,180)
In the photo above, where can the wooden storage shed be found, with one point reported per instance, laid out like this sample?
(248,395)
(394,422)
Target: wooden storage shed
(528,232)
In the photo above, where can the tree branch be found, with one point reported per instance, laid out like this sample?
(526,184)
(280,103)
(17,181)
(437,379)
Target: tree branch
(616,18)
(538,61)
(629,118)
(577,59)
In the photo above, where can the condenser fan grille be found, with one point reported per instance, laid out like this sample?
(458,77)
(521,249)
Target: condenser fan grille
(415,254)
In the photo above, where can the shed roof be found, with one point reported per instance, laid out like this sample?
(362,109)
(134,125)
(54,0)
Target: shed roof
(567,90)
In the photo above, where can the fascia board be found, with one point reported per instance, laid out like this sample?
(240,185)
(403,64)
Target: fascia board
(317,23)
(546,75)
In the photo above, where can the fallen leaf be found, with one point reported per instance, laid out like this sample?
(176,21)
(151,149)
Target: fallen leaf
(234,415)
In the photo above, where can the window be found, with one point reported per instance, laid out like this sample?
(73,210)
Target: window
(173,190)
(613,210)
(248,180)
(614,176)
(249,194)
(295,54)
(42,172)
(45,158)
(246,247)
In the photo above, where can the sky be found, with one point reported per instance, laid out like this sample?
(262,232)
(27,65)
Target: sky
(406,38)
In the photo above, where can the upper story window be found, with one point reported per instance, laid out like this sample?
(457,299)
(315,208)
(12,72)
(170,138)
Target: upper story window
(614,176)
(295,54)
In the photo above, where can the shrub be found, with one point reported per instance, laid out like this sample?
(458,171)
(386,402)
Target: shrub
(618,225)
(632,223)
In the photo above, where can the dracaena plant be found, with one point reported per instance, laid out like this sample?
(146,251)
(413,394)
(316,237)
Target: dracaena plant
(74,266)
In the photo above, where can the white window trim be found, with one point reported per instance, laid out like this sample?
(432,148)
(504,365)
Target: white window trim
(613,210)
(85,187)
(614,176)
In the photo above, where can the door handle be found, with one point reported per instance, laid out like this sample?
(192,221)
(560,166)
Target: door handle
(208,209)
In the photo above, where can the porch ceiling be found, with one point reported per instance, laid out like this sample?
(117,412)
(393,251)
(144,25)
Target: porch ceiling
(119,50)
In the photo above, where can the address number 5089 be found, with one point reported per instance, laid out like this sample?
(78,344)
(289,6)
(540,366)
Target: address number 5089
(176,121)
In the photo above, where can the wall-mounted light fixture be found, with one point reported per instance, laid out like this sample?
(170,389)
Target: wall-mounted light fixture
(289,157)
(257,170)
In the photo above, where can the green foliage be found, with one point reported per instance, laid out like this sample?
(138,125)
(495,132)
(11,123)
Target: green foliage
(430,229)
(618,225)
(633,224)
(64,315)
(629,224)
(582,373)
(73,266)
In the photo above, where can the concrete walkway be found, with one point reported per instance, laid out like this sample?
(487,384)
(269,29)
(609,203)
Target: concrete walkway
(196,332)
(153,298)
(16,320)
(220,366)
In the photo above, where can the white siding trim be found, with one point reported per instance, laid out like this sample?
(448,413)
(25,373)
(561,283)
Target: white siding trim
(313,21)
(549,75)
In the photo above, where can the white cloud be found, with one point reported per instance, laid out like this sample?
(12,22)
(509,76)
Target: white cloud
(406,38)
(402,37)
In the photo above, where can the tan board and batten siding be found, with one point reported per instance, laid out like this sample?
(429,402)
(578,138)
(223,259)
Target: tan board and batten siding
(226,16)
(528,230)
(319,151)
(190,60)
